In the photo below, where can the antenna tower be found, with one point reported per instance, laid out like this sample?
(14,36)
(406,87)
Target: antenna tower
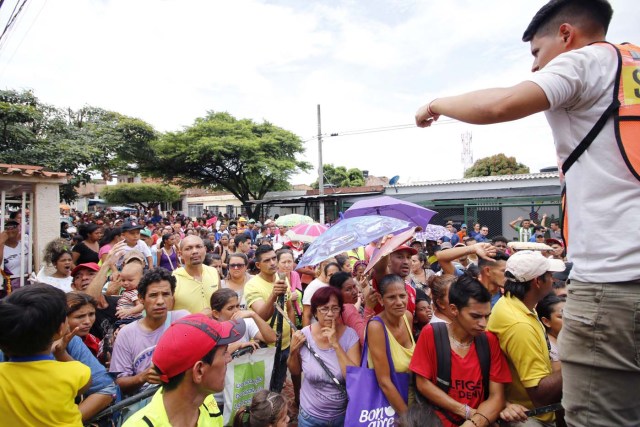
(467,154)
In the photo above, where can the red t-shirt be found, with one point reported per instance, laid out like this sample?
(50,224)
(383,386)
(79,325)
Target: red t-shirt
(466,375)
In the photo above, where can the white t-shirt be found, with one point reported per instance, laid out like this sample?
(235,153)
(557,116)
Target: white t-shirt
(603,197)
(56,282)
(12,258)
(311,289)
(250,331)
(141,247)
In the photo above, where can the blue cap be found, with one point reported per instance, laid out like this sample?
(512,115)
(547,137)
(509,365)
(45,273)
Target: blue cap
(463,226)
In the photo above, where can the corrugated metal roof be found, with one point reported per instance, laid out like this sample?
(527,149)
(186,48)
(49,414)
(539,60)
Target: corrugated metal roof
(30,171)
(498,178)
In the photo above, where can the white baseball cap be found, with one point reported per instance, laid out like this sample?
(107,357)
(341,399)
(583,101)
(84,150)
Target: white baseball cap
(527,265)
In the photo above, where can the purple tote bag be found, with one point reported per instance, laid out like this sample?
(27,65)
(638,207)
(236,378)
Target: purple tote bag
(367,403)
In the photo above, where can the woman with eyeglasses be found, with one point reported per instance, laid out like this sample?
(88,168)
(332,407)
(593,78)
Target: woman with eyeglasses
(322,402)
(237,276)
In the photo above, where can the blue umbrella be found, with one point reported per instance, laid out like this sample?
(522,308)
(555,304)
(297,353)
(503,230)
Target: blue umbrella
(391,207)
(348,234)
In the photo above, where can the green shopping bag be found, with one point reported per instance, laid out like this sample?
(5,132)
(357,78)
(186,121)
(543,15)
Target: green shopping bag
(245,376)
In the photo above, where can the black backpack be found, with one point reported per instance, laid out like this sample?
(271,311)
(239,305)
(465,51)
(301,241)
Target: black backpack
(443,355)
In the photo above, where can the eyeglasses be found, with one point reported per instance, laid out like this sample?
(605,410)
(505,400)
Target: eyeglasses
(326,310)
(236,266)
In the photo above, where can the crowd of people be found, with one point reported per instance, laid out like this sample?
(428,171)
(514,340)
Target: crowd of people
(128,283)
(469,329)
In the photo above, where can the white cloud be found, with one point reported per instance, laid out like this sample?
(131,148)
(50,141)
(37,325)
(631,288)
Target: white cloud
(369,64)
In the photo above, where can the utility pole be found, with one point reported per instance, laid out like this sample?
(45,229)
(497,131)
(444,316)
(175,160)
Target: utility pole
(320,172)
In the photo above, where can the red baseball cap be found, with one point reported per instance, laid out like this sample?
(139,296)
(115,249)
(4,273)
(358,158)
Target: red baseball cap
(189,340)
(410,249)
(88,265)
(554,241)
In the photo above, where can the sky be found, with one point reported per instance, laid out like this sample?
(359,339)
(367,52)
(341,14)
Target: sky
(369,64)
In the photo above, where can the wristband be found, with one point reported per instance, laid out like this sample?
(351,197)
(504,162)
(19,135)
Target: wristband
(487,419)
(429,110)
(467,412)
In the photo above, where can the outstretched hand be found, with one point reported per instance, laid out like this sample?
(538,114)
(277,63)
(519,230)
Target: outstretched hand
(60,345)
(115,253)
(485,251)
(425,117)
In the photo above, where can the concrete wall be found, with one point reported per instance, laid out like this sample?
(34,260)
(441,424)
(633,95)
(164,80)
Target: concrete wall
(46,219)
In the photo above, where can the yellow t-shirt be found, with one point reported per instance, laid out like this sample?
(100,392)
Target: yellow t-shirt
(41,393)
(156,414)
(193,295)
(258,289)
(523,341)
(400,355)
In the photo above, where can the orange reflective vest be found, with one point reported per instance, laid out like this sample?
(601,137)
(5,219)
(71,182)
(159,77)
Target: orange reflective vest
(625,111)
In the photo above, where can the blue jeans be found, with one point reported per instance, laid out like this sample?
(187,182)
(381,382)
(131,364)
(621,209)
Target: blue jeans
(600,353)
(307,420)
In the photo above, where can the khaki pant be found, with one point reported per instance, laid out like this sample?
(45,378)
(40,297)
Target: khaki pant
(600,354)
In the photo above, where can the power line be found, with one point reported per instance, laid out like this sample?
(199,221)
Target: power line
(11,21)
(24,37)
(377,129)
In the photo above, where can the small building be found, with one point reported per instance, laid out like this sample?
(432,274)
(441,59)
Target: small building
(36,194)
(307,202)
(493,201)
(196,200)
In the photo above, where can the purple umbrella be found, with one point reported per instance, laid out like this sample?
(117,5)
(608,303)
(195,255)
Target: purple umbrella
(395,208)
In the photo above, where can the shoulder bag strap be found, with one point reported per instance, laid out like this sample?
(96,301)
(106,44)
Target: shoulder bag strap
(484,356)
(325,368)
(588,139)
(443,356)
(167,322)
(365,350)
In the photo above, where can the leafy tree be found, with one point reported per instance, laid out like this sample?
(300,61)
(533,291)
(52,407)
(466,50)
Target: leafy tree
(81,143)
(498,164)
(341,177)
(146,195)
(221,152)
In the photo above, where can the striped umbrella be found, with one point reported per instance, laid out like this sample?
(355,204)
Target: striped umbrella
(308,232)
(292,220)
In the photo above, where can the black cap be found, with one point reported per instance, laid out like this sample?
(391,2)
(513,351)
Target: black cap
(131,225)
(563,275)
(602,12)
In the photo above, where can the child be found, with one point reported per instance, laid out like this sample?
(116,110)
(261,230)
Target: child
(35,388)
(129,307)
(131,235)
(268,409)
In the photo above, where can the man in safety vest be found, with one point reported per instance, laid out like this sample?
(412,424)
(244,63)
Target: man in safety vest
(577,85)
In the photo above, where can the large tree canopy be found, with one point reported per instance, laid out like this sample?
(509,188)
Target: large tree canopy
(81,143)
(498,164)
(247,159)
(143,194)
(341,177)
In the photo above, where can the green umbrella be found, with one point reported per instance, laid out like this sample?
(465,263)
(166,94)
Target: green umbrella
(292,220)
